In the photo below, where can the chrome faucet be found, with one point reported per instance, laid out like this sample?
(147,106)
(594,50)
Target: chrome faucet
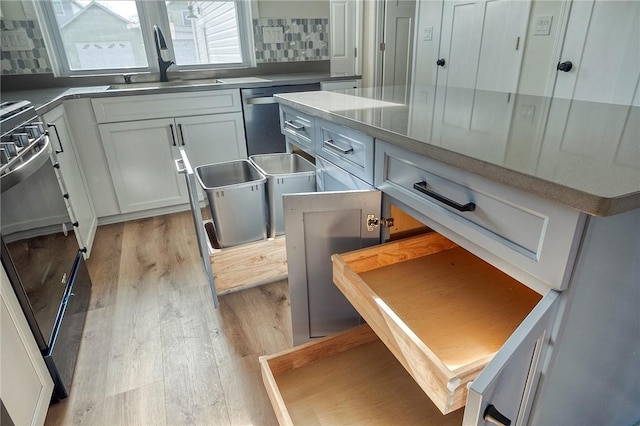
(161,45)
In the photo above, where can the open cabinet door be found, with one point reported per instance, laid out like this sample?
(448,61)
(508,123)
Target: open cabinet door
(183,166)
(503,391)
(318,225)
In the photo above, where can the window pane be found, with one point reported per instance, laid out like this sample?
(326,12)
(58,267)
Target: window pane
(101,34)
(204,32)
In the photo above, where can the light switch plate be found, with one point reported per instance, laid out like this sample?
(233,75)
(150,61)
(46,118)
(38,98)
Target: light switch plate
(428,33)
(543,25)
(273,34)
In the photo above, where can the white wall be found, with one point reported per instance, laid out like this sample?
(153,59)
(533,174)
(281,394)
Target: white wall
(293,9)
(12,10)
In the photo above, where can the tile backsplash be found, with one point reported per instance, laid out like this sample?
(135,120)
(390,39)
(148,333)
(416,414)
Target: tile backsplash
(34,61)
(288,40)
(291,40)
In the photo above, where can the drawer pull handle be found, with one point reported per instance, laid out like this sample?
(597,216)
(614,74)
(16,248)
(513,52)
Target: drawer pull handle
(492,415)
(329,144)
(422,187)
(290,124)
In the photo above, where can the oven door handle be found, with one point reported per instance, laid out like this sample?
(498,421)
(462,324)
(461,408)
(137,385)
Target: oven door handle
(61,150)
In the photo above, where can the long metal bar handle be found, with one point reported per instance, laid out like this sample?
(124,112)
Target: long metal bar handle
(173,135)
(422,187)
(329,144)
(181,134)
(290,124)
(492,415)
(61,150)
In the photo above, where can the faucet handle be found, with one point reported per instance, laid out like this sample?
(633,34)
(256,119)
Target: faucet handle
(127,78)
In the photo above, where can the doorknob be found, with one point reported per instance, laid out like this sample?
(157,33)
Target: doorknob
(440,62)
(565,66)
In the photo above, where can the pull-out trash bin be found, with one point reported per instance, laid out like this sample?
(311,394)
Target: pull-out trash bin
(286,174)
(237,199)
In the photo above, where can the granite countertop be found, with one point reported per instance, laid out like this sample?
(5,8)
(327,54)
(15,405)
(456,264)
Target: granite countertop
(46,99)
(585,155)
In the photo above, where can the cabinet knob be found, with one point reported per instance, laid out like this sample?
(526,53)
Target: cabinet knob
(565,66)
(440,62)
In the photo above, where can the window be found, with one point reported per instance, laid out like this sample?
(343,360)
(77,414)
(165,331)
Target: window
(111,36)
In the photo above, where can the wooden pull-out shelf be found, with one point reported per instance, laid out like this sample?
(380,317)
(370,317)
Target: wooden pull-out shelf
(347,378)
(440,310)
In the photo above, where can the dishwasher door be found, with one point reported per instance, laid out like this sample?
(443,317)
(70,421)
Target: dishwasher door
(262,118)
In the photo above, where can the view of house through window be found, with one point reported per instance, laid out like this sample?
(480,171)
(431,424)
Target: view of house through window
(204,32)
(100,34)
(96,36)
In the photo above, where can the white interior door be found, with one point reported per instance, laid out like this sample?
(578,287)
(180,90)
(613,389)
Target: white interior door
(397,56)
(597,99)
(345,18)
(481,50)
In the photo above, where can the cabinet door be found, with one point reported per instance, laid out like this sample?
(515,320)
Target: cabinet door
(213,138)
(141,160)
(346,24)
(73,179)
(26,385)
(318,225)
(507,384)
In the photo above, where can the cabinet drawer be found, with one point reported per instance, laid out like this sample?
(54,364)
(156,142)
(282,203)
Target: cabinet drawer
(443,312)
(141,107)
(346,378)
(530,237)
(349,149)
(298,128)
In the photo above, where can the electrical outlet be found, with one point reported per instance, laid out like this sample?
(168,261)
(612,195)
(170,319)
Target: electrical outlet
(273,34)
(16,40)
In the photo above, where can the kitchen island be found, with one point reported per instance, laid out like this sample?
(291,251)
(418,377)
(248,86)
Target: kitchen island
(529,193)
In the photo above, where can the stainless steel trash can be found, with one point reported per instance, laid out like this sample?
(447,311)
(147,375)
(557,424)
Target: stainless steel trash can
(286,174)
(237,199)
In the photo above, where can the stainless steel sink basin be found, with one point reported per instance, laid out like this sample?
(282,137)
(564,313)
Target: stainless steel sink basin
(159,84)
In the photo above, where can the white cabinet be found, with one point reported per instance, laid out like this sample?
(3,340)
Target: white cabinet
(73,182)
(346,26)
(26,385)
(141,154)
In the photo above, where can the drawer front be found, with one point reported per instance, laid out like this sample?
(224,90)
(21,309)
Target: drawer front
(529,237)
(349,149)
(298,128)
(141,107)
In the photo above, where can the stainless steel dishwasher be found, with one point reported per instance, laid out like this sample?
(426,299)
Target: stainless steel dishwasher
(262,120)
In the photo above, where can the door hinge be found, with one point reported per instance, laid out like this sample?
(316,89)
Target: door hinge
(517,43)
(373,222)
(382,46)
(355,52)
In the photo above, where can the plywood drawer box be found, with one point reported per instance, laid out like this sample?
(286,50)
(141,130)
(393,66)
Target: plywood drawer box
(443,312)
(346,378)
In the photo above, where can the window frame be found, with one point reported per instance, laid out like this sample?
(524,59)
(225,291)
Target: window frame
(149,12)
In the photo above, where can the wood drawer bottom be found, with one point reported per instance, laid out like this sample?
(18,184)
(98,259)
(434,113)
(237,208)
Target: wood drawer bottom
(347,378)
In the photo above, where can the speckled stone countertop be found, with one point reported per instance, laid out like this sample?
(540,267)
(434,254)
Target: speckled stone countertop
(46,99)
(585,155)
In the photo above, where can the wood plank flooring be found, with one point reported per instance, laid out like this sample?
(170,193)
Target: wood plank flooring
(154,349)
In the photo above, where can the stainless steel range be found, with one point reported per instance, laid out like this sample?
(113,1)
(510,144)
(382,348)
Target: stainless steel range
(40,252)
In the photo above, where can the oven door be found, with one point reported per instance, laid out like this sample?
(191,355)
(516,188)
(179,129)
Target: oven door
(41,248)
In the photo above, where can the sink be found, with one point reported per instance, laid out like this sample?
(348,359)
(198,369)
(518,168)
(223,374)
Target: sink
(161,84)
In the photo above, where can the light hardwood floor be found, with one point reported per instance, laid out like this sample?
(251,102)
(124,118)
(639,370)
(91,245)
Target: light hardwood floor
(154,349)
